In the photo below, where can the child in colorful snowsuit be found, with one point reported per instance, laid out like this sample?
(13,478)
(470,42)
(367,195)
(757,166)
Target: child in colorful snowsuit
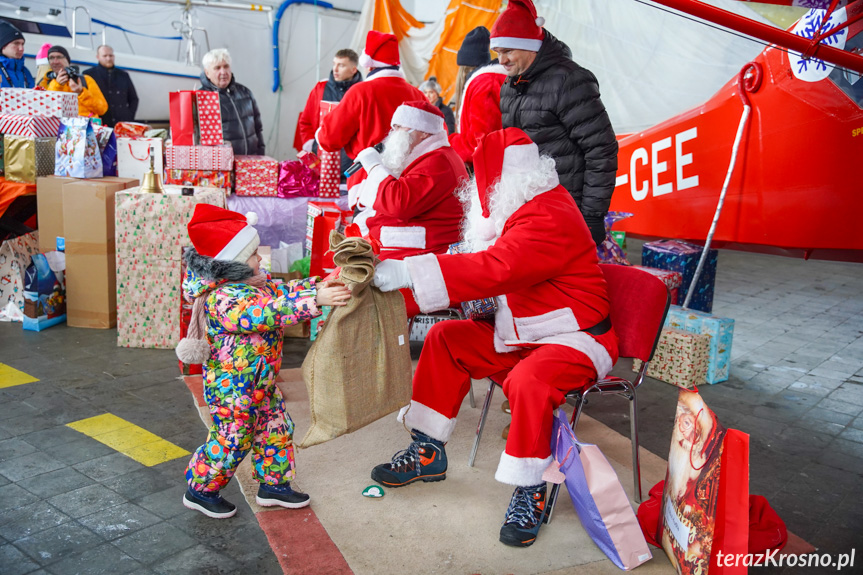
(236,333)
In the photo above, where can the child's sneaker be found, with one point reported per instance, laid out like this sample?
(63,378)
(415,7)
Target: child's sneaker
(525,515)
(424,459)
(280,495)
(210,504)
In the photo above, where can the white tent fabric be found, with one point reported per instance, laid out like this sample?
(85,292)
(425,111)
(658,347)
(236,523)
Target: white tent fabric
(415,50)
(651,64)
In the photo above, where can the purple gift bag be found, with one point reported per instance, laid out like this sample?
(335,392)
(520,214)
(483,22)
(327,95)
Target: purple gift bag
(598,497)
(297,180)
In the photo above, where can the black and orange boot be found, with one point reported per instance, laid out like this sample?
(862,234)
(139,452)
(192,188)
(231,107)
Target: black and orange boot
(424,460)
(526,513)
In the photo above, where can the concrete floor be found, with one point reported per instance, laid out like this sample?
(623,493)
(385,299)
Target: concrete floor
(69,504)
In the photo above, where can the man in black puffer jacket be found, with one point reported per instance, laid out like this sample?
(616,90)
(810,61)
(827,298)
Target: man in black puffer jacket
(241,119)
(556,102)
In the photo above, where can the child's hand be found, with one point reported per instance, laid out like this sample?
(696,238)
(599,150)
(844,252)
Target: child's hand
(337,294)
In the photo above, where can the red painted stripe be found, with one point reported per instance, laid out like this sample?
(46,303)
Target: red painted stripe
(301,544)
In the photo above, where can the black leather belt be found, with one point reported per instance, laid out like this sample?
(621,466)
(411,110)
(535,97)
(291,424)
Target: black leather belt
(600,328)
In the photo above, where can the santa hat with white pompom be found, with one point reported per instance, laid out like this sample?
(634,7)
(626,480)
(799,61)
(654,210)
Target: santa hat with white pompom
(518,27)
(222,234)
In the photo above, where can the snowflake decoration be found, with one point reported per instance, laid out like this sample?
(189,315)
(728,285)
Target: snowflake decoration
(814,69)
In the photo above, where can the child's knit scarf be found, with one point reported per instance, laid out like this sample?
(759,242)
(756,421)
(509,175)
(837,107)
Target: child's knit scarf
(194,349)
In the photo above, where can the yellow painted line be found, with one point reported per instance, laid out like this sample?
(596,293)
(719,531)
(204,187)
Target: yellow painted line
(136,442)
(10,376)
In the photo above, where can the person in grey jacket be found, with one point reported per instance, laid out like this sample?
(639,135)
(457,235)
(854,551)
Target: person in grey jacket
(556,102)
(241,118)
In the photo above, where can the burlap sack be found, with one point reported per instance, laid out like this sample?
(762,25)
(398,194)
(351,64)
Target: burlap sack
(359,368)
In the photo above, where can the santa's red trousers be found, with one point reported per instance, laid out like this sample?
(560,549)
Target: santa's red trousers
(534,380)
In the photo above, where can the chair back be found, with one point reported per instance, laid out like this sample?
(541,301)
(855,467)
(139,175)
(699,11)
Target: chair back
(639,303)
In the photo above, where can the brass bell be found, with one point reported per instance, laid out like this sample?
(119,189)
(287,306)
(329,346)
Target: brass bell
(152,182)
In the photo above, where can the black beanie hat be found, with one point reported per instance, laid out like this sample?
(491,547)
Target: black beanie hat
(9,33)
(474,48)
(60,50)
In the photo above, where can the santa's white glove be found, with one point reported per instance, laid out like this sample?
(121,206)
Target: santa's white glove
(369,158)
(392,275)
(307,147)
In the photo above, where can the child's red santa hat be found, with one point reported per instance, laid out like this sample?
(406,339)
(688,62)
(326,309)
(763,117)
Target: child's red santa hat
(518,27)
(381,50)
(222,234)
(419,115)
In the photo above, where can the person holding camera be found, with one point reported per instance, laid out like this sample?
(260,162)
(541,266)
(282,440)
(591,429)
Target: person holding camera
(64,77)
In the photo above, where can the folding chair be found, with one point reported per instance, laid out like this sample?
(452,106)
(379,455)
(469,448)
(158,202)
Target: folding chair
(639,302)
(445,314)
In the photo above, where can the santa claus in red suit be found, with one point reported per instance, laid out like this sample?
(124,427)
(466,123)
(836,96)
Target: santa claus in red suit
(551,333)
(362,119)
(479,104)
(408,201)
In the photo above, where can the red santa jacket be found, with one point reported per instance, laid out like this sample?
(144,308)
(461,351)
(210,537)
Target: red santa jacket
(310,117)
(480,109)
(544,274)
(362,119)
(418,212)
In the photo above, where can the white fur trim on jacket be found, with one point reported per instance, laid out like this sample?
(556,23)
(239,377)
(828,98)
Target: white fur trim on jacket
(489,69)
(521,471)
(395,237)
(429,287)
(515,43)
(366,195)
(556,327)
(416,119)
(385,73)
(426,420)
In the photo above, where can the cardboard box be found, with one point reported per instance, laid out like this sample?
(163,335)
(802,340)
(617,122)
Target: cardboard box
(91,288)
(49,206)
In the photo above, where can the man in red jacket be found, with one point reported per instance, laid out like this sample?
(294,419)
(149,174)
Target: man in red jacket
(551,334)
(362,119)
(408,201)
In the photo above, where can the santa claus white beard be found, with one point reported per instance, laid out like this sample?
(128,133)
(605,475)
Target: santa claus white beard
(397,148)
(507,195)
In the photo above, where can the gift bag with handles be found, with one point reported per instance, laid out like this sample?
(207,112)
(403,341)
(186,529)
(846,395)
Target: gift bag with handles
(598,497)
(133,156)
(77,150)
(705,503)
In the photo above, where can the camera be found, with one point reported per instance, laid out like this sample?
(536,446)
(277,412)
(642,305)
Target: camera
(73,72)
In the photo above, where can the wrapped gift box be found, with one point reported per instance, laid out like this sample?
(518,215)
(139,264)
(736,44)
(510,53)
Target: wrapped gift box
(28,158)
(219,157)
(680,256)
(25,102)
(202,178)
(208,112)
(14,259)
(154,225)
(147,294)
(719,329)
(150,235)
(680,358)
(29,126)
(669,278)
(256,176)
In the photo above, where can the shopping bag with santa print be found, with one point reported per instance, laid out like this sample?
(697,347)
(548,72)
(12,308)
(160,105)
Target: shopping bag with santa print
(77,150)
(705,503)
